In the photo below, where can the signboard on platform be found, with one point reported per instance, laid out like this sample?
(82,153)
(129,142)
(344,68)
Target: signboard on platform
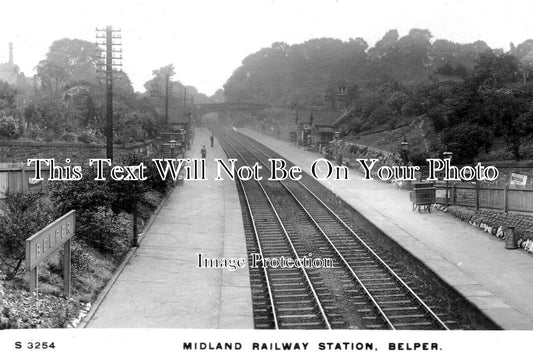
(440,193)
(47,241)
(518,179)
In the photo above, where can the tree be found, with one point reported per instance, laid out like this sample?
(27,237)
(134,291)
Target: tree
(68,60)
(155,87)
(465,141)
(457,55)
(7,96)
(415,54)
(281,73)
(383,46)
(218,96)
(524,53)
(11,122)
(496,70)
(123,88)
(509,109)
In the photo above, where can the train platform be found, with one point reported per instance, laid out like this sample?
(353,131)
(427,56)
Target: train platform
(498,281)
(161,285)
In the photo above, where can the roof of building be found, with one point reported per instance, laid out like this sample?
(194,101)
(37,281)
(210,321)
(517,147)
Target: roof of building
(341,118)
(319,118)
(325,129)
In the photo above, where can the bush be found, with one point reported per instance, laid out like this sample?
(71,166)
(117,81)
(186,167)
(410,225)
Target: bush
(24,310)
(64,313)
(25,214)
(82,195)
(10,127)
(80,260)
(392,123)
(381,115)
(153,180)
(105,231)
(50,136)
(438,115)
(128,193)
(84,138)
(99,204)
(93,201)
(418,158)
(88,136)
(69,137)
(4,321)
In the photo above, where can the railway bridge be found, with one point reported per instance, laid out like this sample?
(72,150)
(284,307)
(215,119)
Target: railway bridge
(228,107)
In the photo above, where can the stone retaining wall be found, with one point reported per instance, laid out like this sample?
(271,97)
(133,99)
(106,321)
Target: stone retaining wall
(495,223)
(15,151)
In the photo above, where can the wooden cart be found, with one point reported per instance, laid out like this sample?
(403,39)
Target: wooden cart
(423,195)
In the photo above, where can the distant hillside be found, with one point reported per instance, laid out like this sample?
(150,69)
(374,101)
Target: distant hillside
(472,96)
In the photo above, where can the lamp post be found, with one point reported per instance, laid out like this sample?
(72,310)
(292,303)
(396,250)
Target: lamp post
(188,132)
(447,155)
(294,136)
(135,240)
(336,136)
(172,144)
(404,151)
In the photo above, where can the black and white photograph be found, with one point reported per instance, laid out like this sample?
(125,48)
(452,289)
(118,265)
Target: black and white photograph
(266,176)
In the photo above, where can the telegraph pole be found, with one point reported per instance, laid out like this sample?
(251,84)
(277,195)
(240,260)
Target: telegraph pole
(167,79)
(109,34)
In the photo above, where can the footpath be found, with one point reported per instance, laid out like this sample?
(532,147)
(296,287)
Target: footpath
(161,286)
(498,281)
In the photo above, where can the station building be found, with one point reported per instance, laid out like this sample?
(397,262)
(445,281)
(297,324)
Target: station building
(314,128)
(179,132)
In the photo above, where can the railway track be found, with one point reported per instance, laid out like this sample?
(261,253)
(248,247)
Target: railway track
(290,298)
(287,218)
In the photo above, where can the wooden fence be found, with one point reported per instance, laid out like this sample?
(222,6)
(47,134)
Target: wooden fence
(17,177)
(478,195)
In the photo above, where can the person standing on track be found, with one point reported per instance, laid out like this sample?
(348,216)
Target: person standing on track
(212,138)
(203,151)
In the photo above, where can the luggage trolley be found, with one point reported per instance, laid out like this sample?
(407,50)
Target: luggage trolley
(422,195)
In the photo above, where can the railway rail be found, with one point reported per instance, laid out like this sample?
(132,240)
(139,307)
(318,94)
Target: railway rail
(294,299)
(287,218)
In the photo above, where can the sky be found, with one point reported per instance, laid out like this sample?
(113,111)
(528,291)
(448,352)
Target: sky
(207,40)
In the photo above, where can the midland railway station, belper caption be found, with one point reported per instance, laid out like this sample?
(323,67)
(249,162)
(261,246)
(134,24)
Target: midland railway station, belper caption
(305,346)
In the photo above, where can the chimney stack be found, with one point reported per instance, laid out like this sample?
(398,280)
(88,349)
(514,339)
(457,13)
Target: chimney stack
(11,53)
(341,98)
